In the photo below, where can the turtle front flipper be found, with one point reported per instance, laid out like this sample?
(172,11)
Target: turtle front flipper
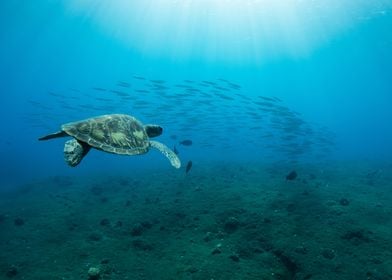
(174,160)
(74,152)
(53,135)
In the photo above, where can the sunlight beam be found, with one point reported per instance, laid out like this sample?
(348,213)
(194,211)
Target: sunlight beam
(222,30)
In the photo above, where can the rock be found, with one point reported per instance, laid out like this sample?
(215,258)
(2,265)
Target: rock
(291,176)
(344,202)
(216,251)
(12,272)
(291,207)
(146,224)
(19,222)
(220,235)
(208,236)
(328,254)
(137,229)
(141,245)
(289,263)
(2,218)
(96,190)
(104,222)
(95,237)
(357,236)
(62,181)
(376,260)
(234,258)
(247,249)
(231,225)
(301,250)
(192,269)
(94,273)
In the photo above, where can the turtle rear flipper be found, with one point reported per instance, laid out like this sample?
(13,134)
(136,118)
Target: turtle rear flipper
(74,151)
(174,160)
(54,135)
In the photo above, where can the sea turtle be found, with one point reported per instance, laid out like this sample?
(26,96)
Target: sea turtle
(116,133)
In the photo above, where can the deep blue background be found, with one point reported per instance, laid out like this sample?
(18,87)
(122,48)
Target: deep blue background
(342,81)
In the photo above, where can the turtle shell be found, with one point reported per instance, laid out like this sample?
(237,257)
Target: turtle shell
(116,133)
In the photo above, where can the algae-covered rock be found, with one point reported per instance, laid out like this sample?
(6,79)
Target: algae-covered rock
(94,273)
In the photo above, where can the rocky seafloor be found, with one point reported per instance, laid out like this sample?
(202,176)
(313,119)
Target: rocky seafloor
(221,221)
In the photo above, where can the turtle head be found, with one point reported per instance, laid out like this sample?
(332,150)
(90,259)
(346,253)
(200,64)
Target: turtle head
(153,130)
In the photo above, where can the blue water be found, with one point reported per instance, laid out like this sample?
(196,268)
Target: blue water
(328,62)
(288,107)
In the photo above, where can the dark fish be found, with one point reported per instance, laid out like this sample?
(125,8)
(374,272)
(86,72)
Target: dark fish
(157,81)
(277,99)
(267,98)
(55,94)
(175,150)
(235,86)
(85,106)
(292,175)
(159,87)
(221,88)
(67,107)
(39,105)
(103,99)
(243,96)
(193,89)
(138,77)
(182,86)
(35,103)
(208,83)
(141,103)
(224,96)
(207,145)
(264,103)
(119,92)
(188,167)
(223,80)
(99,89)
(123,84)
(186,142)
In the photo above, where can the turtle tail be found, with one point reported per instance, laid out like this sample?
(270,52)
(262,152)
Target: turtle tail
(53,135)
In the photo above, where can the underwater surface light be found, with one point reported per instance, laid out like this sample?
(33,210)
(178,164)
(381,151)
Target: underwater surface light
(226,29)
